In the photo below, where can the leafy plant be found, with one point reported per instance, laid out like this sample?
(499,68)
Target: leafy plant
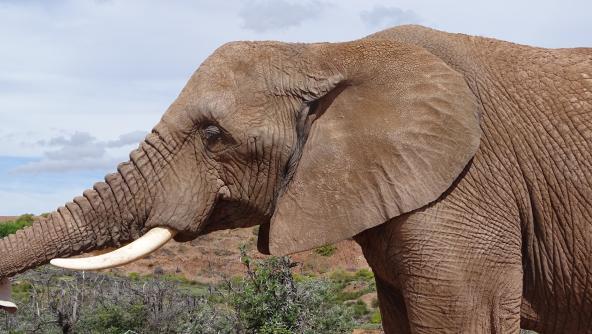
(365,274)
(114,319)
(10,227)
(375,318)
(267,299)
(326,250)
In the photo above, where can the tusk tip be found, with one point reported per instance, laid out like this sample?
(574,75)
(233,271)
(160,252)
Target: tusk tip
(8,306)
(58,263)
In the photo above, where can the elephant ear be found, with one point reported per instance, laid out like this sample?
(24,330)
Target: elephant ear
(394,134)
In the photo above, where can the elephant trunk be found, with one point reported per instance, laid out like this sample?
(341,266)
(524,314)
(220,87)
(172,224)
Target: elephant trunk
(113,213)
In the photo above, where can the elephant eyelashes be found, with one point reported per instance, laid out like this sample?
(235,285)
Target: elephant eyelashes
(211,132)
(212,137)
(216,139)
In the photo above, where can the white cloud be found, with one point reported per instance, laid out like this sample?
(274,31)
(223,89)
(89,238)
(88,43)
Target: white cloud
(266,15)
(66,165)
(79,151)
(78,138)
(383,17)
(110,67)
(16,203)
(127,139)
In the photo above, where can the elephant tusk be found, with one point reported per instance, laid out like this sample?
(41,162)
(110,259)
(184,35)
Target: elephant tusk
(146,244)
(5,303)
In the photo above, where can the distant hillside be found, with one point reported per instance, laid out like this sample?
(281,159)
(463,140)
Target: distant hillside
(214,257)
(7,218)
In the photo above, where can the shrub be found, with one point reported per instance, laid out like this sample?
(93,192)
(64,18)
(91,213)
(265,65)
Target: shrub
(326,250)
(365,274)
(269,300)
(376,318)
(267,296)
(114,319)
(10,227)
(360,309)
(341,276)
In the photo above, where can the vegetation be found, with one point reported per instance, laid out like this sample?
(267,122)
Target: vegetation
(11,227)
(326,250)
(268,299)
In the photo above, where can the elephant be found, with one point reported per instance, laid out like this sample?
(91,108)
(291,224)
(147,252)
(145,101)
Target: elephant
(461,165)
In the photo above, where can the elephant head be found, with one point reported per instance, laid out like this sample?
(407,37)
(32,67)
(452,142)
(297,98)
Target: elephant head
(314,142)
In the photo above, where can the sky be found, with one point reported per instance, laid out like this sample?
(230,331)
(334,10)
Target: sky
(83,81)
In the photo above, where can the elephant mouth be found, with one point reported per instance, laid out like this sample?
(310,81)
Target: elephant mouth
(224,215)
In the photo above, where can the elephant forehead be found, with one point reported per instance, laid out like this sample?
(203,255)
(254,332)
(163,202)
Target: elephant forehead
(229,72)
(222,93)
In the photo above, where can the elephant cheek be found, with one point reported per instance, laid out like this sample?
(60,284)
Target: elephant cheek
(185,199)
(185,209)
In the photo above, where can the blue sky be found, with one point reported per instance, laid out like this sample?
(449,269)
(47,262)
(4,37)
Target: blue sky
(82,81)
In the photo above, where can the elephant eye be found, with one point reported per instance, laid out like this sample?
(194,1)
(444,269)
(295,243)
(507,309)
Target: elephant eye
(211,132)
(216,139)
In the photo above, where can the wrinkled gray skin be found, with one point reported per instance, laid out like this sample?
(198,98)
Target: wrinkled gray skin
(460,164)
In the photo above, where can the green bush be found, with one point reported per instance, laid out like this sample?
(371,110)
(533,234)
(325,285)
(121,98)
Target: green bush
(267,299)
(376,318)
(342,276)
(114,319)
(326,250)
(270,300)
(21,291)
(177,278)
(343,296)
(274,329)
(365,274)
(10,227)
(360,309)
